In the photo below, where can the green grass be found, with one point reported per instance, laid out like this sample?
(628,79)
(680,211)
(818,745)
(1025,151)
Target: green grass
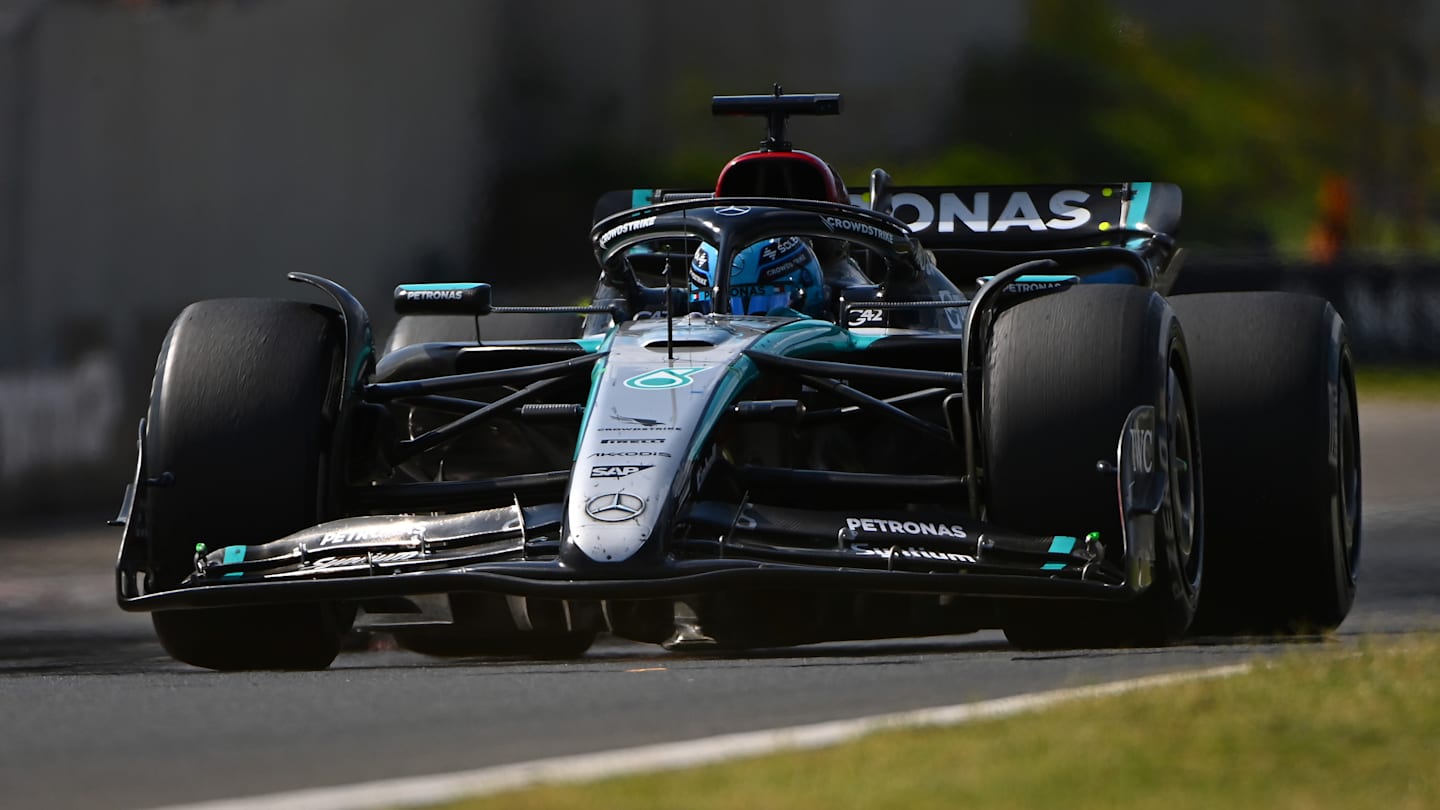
(1410,383)
(1334,728)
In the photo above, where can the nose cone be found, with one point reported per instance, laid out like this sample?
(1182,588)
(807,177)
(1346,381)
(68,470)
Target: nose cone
(614,530)
(648,415)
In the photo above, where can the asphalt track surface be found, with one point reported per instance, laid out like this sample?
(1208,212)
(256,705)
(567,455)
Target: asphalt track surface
(93,714)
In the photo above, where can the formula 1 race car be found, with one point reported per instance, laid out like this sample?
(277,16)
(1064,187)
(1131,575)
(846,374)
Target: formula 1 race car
(793,412)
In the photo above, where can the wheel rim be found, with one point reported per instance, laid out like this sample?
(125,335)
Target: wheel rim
(1181,514)
(1348,470)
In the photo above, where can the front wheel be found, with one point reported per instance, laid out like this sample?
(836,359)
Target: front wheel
(1063,373)
(239,423)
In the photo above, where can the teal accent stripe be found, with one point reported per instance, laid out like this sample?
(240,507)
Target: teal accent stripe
(1138,204)
(468,285)
(234,554)
(1059,545)
(641,197)
(596,375)
(1036,279)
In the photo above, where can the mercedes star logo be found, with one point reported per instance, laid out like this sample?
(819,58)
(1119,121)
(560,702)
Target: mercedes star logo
(614,507)
(732,210)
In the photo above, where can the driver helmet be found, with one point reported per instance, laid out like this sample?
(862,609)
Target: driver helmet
(769,275)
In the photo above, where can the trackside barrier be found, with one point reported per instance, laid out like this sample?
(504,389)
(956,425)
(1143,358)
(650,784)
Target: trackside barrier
(1392,309)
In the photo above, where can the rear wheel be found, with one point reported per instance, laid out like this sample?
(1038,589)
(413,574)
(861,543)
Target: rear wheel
(1275,381)
(412,329)
(239,419)
(1063,373)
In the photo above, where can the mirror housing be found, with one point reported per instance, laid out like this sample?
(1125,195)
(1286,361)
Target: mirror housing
(463,298)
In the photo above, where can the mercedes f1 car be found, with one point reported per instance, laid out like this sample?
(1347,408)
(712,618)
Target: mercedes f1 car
(793,412)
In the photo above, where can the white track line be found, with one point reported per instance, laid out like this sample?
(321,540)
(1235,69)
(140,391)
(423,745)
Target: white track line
(441,788)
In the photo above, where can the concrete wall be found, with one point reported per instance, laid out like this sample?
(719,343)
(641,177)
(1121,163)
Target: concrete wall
(207,151)
(151,158)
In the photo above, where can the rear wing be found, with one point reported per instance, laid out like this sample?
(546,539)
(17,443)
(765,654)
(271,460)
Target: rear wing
(1030,217)
(1034,216)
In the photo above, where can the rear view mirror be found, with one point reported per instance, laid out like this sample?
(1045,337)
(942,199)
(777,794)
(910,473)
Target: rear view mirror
(466,298)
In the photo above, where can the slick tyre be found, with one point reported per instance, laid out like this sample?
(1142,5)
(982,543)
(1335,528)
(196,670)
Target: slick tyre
(1062,374)
(1275,382)
(239,423)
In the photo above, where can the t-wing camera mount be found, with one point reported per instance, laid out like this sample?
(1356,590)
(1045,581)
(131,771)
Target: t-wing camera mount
(776,108)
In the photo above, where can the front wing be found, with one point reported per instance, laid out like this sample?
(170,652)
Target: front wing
(363,558)
(514,551)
